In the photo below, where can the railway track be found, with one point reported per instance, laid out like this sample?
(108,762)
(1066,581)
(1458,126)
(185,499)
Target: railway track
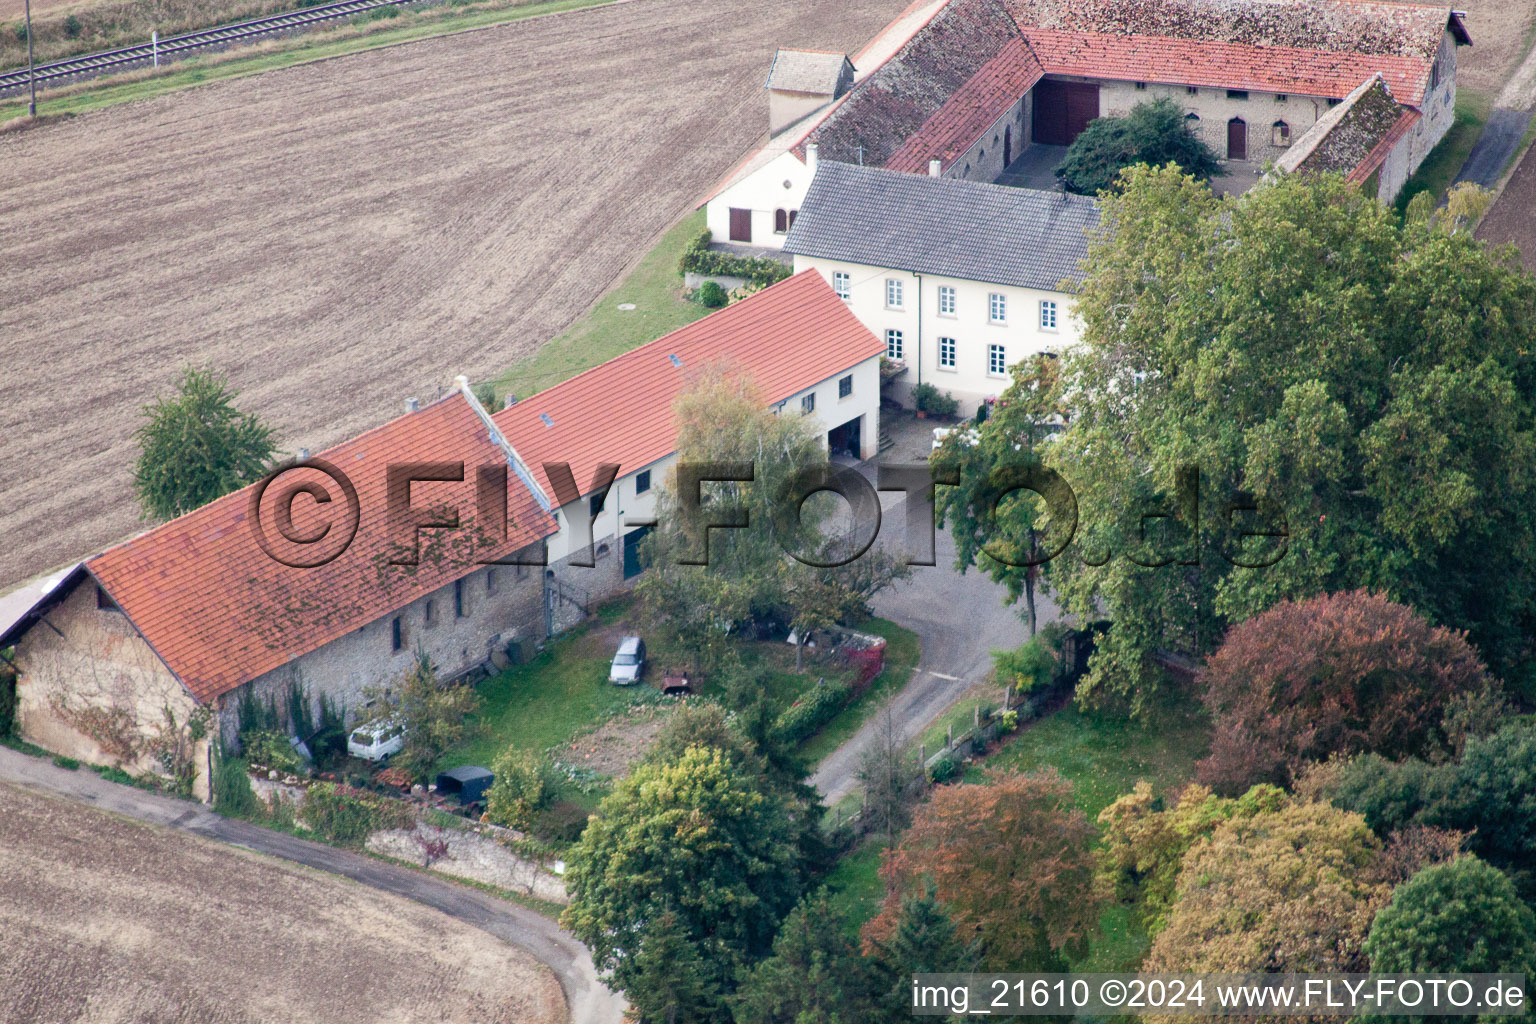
(174,46)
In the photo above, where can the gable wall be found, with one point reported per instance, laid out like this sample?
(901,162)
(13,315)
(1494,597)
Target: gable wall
(93,658)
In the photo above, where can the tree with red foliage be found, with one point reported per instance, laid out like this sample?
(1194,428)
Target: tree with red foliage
(1011,861)
(1344,673)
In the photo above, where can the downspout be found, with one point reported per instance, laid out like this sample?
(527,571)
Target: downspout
(919,278)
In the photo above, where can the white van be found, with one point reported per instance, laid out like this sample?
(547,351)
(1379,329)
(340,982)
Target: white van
(377,741)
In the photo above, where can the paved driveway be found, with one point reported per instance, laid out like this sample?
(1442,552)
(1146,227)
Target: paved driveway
(960,620)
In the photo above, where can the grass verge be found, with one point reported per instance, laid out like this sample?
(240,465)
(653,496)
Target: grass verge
(654,287)
(902,653)
(409,25)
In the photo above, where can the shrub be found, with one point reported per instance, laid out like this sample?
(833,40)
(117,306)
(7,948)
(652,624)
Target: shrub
(1028,669)
(943,770)
(813,710)
(273,750)
(1343,673)
(560,822)
(232,793)
(1152,133)
(1010,721)
(65,762)
(712,296)
(344,815)
(524,785)
(485,394)
(1462,917)
(7,700)
(927,399)
(72,27)
(699,258)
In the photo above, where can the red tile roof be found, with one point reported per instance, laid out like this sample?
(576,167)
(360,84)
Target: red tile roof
(1328,73)
(973,108)
(220,612)
(1378,156)
(785,338)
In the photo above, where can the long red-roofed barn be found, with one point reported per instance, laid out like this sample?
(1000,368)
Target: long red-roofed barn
(328,579)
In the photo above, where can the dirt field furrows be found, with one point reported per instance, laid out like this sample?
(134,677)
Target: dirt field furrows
(107,920)
(345,234)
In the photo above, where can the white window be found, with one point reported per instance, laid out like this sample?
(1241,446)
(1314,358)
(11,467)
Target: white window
(946,300)
(946,353)
(1047,315)
(997,308)
(842,283)
(997,362)
(893,293)
(893,345)
(808,403)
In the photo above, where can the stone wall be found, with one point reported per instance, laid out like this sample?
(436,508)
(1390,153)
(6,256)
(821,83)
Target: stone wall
(473,855)
(458,626)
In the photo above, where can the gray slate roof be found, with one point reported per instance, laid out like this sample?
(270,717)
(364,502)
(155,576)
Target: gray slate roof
(988,233)
(813,71)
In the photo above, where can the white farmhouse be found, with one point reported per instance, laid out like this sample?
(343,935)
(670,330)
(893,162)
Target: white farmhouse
(960,279)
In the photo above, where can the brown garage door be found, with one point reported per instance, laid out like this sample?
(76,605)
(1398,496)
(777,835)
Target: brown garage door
(1063,110)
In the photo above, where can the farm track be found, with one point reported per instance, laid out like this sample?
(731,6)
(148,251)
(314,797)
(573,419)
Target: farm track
(344,234)
(175,47)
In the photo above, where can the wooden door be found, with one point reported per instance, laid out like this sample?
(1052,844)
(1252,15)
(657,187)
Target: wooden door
(1063,110)
(741,225)
(1007,146)
(1237,139)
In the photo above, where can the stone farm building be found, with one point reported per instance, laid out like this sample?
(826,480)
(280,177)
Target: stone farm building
(117,654)
(965,88)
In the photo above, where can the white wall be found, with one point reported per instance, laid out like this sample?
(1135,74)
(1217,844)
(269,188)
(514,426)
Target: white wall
(762,192)
(624,503)
(970,380)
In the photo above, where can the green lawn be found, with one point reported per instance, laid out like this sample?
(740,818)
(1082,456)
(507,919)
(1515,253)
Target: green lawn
(549,701)
(1445,161)
(902,652)
(855,885)
(366,33)
(654,287)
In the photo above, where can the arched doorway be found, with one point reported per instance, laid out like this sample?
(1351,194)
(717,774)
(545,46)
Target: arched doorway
(1237,139)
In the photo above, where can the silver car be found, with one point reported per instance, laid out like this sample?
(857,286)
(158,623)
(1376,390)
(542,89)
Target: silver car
(629,663)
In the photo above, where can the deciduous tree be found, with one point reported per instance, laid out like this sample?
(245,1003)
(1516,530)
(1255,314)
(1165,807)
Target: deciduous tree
(1363,387)
(196,446)
(1011,861)
(1336,674)
(694,837)
(1292,890)
(436,717)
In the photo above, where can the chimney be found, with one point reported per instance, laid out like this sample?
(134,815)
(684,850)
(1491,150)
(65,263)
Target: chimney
(412,404)
(811,150)
(935,168)
(508,400)
(303,455)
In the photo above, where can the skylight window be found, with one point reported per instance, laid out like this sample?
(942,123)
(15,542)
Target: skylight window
(547,421)
(675,361)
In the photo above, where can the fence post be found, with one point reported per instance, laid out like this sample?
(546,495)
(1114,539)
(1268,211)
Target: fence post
(976,724)
(922,755)
(154,41)
(949,743)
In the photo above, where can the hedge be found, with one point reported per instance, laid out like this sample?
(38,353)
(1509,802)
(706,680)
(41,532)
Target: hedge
(699,258)
(345,815)
(815,709)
